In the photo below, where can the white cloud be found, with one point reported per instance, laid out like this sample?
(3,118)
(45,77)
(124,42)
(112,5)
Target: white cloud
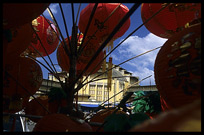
(144,65)
(115,57)
(53,8)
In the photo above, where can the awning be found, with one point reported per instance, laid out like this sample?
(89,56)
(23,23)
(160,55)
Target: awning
(89,105)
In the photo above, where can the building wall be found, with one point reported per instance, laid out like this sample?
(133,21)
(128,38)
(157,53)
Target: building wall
(97,90)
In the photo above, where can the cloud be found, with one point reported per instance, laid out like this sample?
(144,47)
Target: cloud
(142,66)
(58,68)
(53,8)
(115,57)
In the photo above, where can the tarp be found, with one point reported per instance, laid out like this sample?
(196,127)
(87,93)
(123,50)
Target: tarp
(89,105)
(95,105)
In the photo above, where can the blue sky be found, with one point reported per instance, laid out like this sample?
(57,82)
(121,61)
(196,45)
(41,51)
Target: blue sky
(139,42)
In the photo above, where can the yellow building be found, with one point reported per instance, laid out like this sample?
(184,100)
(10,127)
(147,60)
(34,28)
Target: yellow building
(97,91)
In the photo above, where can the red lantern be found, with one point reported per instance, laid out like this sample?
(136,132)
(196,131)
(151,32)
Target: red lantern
(17,14)
(34,108)
(27,72)
(178,67)
(170,19)
(102,12)
(61,123)
(48,37)
(87,53)
(21,38)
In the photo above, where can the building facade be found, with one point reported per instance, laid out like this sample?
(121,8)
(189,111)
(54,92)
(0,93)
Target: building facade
(96,91)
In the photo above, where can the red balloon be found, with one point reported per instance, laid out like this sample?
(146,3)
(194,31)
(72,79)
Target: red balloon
(47,36)
(61,123)
(17,14)
(27,72)
(102,12)
(84,58)
(170,19)
(21,38)
(178,67)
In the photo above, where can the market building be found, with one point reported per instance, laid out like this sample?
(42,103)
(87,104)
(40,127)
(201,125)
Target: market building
(96,91)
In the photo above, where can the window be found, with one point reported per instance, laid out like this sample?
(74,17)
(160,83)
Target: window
(99,98)
(121,86)
(91,92)
(99,87)
(106,93)
(99,92)
(106,98)
(92,87)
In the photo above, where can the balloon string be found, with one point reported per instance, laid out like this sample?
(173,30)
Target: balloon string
(41,56)
(72,6)
(55,71)
(64,44)
(66,30)
(121,64)
(78,13)
(54,20)
(81,48)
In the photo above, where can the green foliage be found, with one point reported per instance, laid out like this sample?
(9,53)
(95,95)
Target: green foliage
(56,94)
(149,104)
(123,122)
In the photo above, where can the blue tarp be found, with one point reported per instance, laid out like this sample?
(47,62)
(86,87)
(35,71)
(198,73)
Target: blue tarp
(93,105)
(89,105)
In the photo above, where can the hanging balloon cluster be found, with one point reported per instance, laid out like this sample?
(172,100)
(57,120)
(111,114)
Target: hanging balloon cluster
(22,76)
(99,29)
(28,35)
(178,64)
